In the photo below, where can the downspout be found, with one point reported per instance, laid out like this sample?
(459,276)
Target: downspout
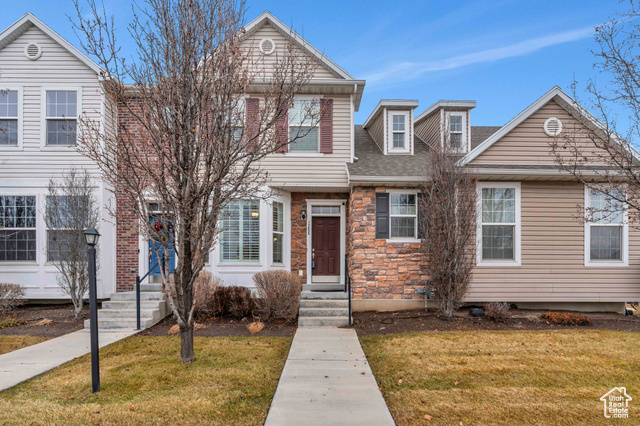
(353,128)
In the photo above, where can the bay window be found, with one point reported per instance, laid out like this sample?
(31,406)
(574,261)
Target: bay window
(241,231)
(17,228)
(606,231)
(278,232)
(498,224)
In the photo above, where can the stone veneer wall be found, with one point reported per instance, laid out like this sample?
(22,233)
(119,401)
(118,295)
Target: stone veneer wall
(299,227)
(380,270)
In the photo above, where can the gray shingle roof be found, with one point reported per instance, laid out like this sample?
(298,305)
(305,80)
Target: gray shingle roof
(480,134)
(371,161)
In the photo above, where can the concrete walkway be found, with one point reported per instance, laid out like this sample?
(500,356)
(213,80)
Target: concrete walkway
(323,383)
(25,363)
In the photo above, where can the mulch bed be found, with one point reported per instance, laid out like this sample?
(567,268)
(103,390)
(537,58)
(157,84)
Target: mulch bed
(224,327)
(371,323)
(61,315)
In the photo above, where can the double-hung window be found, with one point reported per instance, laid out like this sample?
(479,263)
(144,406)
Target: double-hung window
(61,113)
(403,214)
(304,132)
(278,232)
(606,231)
(499,224)
(237,120)
(456,137)
(9,118)
(241,231)
(66,217)
(17,228)
(398,123)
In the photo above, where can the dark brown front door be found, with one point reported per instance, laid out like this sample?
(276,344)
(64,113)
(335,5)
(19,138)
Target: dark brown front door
(326,246)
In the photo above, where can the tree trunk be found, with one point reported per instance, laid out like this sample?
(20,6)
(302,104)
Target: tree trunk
(78,308)
(186,345)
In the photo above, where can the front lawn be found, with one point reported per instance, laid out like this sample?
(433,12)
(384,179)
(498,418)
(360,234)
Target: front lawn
(505,377)
(12,343)
(231,382)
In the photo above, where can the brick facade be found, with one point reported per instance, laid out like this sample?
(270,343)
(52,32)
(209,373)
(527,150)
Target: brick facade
(380,270)
(299,227)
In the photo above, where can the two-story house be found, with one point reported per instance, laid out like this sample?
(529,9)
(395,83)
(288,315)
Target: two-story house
(345,197)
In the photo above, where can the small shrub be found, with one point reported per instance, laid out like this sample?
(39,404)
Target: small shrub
(8,322)
(278,295)
(11,296)
(203,291)
(565,318)
(233,300)
(497,311)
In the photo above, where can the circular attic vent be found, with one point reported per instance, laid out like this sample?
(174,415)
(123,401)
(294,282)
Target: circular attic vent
(267,46)
(553,126)
(32,51)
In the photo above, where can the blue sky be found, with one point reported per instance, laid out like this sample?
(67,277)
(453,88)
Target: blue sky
(504,54)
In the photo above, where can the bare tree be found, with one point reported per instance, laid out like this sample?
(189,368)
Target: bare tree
(189,139)
(71,207)
(448,213)
(593,149)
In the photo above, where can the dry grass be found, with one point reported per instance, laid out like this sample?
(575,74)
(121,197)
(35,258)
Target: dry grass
(512,377)
(12,343)
(231,382)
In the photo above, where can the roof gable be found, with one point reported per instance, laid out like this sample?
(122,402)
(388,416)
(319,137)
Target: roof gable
(267,18)
(555,96)
(19,27)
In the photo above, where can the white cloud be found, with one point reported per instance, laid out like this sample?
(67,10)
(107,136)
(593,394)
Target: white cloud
(410,70)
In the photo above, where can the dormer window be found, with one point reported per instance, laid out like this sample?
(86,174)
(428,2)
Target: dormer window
(399,131)
(456,127)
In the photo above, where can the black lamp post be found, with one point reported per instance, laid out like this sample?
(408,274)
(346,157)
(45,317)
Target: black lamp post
(91,236)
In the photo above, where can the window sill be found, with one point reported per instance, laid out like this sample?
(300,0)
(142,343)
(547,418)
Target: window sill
(238,264)
(18,263)
(403,240)
(607,264)
(304,154)
(398,151)
(58,147)
(499,264)
(278,265)
(11,148)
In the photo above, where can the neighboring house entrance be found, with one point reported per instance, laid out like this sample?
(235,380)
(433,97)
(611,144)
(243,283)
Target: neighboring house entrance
(326,224)
(325,254)
(156,253)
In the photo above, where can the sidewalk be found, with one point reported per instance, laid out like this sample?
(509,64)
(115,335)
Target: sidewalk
(323,383)
(25,363)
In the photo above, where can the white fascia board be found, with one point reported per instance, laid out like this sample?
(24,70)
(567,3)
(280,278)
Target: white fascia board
(19,25)
(445,104)
(390,103)
(267,16)
(387,179)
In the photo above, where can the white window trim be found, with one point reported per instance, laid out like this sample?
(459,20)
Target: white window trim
(315,153)
(43,117)
(283,233)
(37,228)
(243,262)
(587,239)
(20,145)
(407,132)
(517,261)
(417,216)
(446,139)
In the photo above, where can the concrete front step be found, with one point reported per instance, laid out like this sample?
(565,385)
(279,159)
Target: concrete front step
(151,287)
(320,303)
(131,304)
(323,287)
(131,295)
(128,313)
(323,295)
(323,321)
(324,312)
(122,322)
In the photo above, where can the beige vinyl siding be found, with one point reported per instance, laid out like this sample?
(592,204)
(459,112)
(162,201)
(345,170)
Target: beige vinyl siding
(265,63)
(328,170)
(376,129)
(56,67)
(552,248)
(528,144)
(430,129)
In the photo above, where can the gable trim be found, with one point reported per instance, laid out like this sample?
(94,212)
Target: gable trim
(23,24)
(267,16)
